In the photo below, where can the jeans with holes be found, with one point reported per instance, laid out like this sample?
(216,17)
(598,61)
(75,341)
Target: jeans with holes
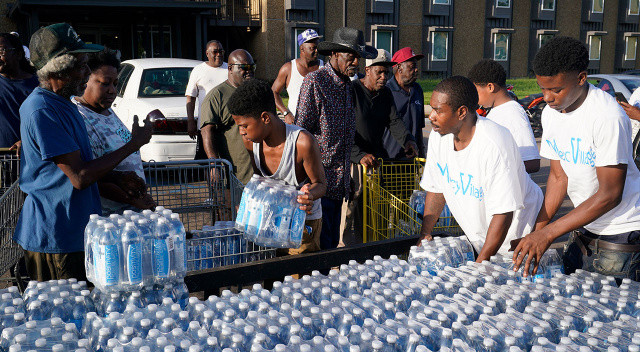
(620,265)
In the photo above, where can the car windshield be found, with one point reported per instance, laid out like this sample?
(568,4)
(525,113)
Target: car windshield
(631,83)
(164,82)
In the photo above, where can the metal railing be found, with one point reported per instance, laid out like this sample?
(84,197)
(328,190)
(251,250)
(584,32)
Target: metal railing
(238,10)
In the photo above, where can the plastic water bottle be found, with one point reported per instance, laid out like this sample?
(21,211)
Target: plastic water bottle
(132,250)
(88,236)
(297,222)
(163,248)
(247,194)
(254,211)
(180,257)
(107,258)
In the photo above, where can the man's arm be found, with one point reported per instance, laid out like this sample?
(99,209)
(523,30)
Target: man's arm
(632,111)
(278,86)
(82,173)
(113,192)
(208,141)
(309,151)
(496,233)
(611,180)
(433,205)
(192,129)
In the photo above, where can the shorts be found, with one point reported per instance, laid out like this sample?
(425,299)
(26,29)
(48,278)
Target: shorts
(55,266)
(310,239)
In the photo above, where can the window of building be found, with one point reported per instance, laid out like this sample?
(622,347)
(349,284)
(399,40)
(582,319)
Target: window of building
(441,2)
(594,47)
(631,48)
(543,39)
(159,39)
(384,40)
(503,3)
(296,47)
(634,7)
(501,47)
(597,6)
(549,5)
(439,46)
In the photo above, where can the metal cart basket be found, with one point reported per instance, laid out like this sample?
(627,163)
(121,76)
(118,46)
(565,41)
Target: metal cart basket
(386,192)
(10,253)
(9,169)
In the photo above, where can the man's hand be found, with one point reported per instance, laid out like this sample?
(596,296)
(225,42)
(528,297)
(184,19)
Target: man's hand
(131,183)
(424,236)
(144,202)
(192,129)
(288,118)
(533,246)
(632,111)
(368,161)
(141,135)
(411,149)
(306,200)
(16,147)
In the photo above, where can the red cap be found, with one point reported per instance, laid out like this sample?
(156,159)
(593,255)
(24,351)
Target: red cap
(405,54)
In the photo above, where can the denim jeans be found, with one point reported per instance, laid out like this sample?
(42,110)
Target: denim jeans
(331,217)
(620,265)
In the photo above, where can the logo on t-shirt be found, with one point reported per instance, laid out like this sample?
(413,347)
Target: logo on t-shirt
(578,154)
(464,186)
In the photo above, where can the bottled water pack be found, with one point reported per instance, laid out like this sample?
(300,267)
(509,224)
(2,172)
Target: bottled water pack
(218,245)
(134,250)
(433,256)
(416,202)
(270,215)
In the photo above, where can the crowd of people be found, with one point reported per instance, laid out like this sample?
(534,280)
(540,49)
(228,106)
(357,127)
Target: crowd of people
(78,158)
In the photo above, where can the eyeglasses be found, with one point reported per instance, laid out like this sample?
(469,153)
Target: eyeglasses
(245,67)
(4,51)
(216,51)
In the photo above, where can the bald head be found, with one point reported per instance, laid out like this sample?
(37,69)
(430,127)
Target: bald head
(241,67)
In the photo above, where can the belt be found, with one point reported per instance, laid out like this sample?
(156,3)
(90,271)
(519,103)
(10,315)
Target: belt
(584,241)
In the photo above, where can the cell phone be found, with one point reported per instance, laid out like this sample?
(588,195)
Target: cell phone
(620,97)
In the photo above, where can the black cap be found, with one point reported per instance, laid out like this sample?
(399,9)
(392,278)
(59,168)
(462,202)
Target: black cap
(55,40)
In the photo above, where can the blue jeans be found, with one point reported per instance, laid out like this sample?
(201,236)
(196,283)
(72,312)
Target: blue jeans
(331,217)
(620,265)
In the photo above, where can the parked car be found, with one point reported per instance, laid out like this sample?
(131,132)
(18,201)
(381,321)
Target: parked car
(148,84)
(613,84)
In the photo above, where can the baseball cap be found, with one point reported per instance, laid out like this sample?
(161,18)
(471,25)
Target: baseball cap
(405,54)
(55,40)
(383,59)
(307,35)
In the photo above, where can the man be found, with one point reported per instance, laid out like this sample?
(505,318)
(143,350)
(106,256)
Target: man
(490,80)
(292,73)
(586,137)
(58,172)
(473,164)
(220,136)
(409,101)
(375,112)
(282,152)
(202,80)
(325,109)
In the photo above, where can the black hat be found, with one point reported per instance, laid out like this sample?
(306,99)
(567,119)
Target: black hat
(55,40)
(349,40)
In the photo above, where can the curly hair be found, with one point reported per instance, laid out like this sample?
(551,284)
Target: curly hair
(25,65)
(488,71)
(460,91)
(252,98)
(106,57)
(561,54)
(57,67)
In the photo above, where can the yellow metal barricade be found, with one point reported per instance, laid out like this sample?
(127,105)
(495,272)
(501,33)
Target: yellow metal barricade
(386,193)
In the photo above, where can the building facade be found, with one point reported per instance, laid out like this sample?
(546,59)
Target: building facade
(452,34)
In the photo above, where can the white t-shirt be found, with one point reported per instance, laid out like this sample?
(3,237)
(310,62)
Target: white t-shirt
(485,178)
(634,100)
(594,135)
(203,79)
(512,116)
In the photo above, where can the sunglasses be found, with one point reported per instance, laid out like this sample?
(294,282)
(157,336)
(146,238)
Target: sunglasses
(216,51)
(245,67)
(4,51)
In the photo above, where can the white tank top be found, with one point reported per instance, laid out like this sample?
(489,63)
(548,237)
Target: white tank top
(293,88)
(287,168)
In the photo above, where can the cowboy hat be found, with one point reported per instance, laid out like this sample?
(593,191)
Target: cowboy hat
(349,40)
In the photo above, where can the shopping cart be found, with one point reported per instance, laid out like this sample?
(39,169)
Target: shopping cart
(386,193)
(9,168)
(10,253)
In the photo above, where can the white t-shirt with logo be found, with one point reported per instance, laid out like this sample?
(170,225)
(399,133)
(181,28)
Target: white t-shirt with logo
(202,80)
(512,116)
(634,100)
(484,179)
(596,134)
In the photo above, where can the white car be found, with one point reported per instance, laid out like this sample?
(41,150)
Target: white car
(148,84)
(616,83)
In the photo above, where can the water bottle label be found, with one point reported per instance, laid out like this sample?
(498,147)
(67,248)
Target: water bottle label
(96,268)
(469,256)
(110,263)
(241,208)
(538,277)
(134,263)
(180,258)
(555,269)
(161,258)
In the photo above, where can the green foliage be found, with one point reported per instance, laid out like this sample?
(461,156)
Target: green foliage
(521,87)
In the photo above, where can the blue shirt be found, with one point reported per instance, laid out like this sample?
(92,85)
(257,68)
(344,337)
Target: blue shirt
(410,107)
(12,94)
(54,214)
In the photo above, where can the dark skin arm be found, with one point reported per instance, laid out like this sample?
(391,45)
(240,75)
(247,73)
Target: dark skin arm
(532,166)
(192,129)
(632,111)
(611,180)
(496,234)
(113,192)
(278,86)
(208,141)
(434,203)
(82,173)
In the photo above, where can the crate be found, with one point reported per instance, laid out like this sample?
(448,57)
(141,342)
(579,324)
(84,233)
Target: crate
(9,169)
(386,193)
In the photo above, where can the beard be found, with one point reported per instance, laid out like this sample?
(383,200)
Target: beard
(72,88)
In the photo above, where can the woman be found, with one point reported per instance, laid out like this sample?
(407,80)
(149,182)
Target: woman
(107,133)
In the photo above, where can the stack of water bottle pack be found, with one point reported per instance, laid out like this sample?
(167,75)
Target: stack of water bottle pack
(416,202)
(135,250)
(269,213)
